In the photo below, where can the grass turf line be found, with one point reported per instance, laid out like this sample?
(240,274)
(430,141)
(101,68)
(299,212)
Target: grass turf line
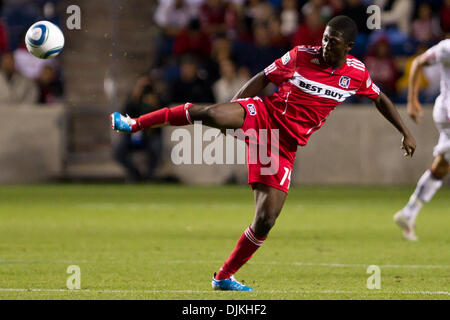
(165,242)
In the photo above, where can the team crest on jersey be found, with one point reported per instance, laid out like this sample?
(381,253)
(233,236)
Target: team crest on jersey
(344,82)
(251,109)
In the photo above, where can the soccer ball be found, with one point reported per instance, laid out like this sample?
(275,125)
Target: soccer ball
(44,40)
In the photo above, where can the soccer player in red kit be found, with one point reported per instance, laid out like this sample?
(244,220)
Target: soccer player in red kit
(311,82)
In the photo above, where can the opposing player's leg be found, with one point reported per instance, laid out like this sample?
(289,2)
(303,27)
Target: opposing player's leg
(229,115)
(428,185)
(268,201)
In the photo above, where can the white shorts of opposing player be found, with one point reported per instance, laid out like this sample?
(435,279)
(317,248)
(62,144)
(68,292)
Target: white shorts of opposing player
(441,116)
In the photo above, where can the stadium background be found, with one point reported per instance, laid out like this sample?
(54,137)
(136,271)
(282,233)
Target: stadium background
(211,48)
(63,200)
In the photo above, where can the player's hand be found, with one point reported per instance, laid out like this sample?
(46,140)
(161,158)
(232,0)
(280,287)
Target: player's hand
(409,145)
(414,110)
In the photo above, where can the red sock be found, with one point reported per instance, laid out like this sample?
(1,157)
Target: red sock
(176,116)
(246,246)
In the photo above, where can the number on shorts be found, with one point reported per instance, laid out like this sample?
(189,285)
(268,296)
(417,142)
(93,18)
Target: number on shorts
(287,175)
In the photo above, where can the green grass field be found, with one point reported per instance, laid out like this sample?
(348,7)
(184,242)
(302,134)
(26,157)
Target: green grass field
(165,242)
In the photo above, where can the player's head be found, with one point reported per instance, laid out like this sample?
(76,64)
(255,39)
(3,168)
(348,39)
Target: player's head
(338,38)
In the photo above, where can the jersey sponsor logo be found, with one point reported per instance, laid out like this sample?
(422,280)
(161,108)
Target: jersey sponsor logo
(344,82)
(315,61)
(286,58)
(319,89)
(251,109)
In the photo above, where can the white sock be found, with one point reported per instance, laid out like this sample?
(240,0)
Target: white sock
(425,190)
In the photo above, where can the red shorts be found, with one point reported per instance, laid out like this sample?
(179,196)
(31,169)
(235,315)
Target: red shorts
(270,150)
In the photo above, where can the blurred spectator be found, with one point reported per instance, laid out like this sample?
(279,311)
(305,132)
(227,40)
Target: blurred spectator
(229,83)
(245,29)
(277,39)
(429,81)
(399,15)
(29,65)
(49,11)
(14,87)
(174,15)
(403,82)
(232,16)
(221,50)
(259,54)
(50,86)
(426,27)
(212,16)
(19,15)
(337,6)
(289,17)
(276,3)
(143,99)
(320,6)
(310,32)
(381,66)
(259,11)
(193,41)
(357,10)
(445,16)
(189,87)
(4,41)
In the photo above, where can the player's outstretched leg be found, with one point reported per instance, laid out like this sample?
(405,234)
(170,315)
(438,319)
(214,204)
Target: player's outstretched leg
(428,185)
(269,202)
(228,115)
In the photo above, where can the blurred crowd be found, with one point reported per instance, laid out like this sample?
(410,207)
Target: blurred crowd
(25,79)
(207,49)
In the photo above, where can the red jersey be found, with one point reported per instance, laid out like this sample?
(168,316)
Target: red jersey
(309,89)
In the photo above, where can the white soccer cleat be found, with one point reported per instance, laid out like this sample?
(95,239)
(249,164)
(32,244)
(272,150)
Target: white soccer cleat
(407,225)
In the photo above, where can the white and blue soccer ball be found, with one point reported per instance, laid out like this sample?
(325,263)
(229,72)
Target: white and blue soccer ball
(44,40)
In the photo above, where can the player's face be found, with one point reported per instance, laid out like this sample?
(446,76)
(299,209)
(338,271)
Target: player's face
(334,46)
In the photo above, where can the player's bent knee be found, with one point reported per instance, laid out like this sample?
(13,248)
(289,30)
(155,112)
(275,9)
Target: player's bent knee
(440,167)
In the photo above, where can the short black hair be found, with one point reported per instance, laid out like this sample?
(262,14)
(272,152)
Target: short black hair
(345,25)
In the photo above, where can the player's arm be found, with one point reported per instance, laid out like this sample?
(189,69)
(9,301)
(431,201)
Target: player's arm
(253,87)
(413,106)
(388,110)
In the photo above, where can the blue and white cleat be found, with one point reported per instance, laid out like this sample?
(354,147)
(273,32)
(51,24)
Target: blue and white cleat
(230,284)
(121,123)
